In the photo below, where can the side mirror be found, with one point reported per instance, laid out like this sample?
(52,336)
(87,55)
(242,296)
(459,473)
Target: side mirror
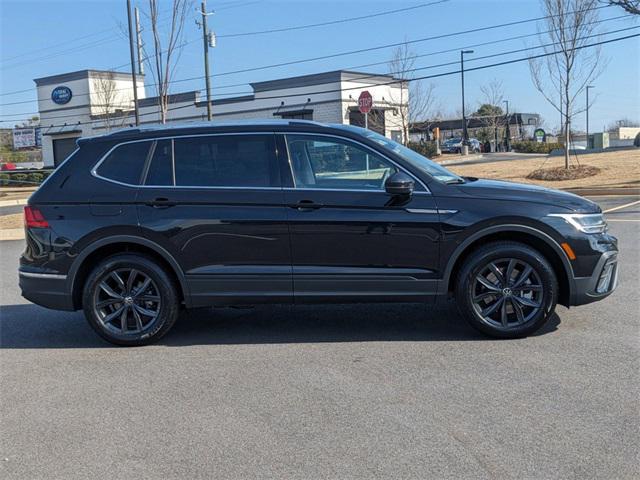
(399,184)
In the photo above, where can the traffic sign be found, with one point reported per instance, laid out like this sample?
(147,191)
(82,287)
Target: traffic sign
(365,102)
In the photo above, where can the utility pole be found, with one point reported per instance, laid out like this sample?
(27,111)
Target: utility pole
(507,132)
(139,41)
(133,65)
(206,40)
(465,135)
(588,143)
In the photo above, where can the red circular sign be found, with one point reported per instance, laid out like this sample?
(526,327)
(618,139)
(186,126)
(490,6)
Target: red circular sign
(365,102)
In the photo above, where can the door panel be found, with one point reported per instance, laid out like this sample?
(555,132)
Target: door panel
(232,242)
(356,241)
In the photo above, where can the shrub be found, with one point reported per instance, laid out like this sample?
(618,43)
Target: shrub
(35,178)
(19,178)
(535,147)
(427,149)
(4,179)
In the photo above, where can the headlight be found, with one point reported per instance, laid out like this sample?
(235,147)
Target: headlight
(585,222)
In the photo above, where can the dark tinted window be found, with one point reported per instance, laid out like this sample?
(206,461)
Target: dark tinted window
(161,168)
(226,161)
(125,163)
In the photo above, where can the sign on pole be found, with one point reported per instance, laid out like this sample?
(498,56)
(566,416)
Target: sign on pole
(365,103)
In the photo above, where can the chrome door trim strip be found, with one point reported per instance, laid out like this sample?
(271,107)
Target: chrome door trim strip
(50,276)
(430,211)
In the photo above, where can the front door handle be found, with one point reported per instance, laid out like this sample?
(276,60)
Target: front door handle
(306,205)
(161,202)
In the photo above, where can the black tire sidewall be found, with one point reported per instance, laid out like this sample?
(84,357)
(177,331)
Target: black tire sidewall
(168,294)
(479,260)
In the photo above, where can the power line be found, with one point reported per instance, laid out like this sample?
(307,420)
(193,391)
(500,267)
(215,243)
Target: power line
(331,22)
(437,75)
(352,52)
(367,76)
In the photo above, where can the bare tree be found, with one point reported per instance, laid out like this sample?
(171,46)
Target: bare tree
(165,48)
(631,6)
(415,100)
(490,110)
(560,77)
(105,91)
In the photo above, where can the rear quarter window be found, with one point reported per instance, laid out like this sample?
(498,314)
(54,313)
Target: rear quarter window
(125,163)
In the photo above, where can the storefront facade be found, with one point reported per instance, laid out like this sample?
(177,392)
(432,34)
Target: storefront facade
(92,102)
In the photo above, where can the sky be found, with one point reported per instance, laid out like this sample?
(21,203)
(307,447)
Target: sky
(42,38)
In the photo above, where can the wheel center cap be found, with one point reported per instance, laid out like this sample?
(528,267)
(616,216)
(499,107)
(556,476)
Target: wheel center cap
(128,300)
(507,292)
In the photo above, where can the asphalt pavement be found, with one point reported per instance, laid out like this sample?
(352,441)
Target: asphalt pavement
(360,391)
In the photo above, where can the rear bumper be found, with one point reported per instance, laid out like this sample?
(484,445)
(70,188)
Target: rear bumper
(602,282)
(46,289)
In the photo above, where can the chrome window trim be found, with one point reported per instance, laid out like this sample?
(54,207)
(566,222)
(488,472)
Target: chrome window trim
(367,147)
(363,190)
(172,138)
(284,134)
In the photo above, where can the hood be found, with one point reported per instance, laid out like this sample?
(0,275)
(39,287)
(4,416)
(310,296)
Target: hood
(501,190)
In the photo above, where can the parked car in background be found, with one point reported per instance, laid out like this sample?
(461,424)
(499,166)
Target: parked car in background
(139,223)
(454,145)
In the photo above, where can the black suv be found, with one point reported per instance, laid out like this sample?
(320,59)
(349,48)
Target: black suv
(140,222)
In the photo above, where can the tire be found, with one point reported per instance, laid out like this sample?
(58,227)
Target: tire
(134,291)
(527,303)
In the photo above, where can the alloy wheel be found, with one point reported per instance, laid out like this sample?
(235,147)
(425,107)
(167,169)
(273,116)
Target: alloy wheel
(507,293)
(127,301)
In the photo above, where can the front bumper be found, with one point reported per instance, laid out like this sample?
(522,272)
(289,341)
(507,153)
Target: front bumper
(45,289)
(602,282)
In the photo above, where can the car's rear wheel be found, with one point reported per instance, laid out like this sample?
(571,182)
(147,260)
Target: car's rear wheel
(129,299)
(507,290)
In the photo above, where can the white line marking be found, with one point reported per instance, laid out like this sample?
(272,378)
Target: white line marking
(622,206)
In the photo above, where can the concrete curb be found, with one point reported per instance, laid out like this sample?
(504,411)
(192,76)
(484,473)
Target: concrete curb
(461,160)
(11,203)
(11,234)
(597,191)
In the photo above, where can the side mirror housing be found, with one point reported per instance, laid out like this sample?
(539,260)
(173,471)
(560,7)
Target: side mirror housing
(399,184)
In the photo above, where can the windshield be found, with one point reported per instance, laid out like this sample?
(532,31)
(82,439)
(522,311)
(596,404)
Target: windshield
(413,158)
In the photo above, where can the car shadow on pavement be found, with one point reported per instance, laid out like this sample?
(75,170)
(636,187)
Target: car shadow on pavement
(29,326)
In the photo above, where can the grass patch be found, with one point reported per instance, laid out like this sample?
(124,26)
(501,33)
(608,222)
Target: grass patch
(556,174)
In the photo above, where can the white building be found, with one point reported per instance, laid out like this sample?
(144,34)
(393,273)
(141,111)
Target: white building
(91,102)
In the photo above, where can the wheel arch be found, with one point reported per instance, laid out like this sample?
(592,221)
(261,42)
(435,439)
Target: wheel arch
(530,236)
(105,247)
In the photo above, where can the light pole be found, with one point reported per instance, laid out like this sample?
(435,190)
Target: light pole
(588,143)
(465,135)
(507,132)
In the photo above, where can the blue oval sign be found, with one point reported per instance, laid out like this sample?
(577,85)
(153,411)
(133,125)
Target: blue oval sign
(61,95)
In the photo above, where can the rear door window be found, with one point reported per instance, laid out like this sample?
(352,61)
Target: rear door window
(226,161)
(125,163)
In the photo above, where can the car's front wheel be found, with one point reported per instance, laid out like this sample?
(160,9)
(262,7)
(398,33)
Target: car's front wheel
(129,299)
(506,289)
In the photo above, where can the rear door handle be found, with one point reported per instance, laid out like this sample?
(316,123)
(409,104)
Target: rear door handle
(161,202)
(306,205)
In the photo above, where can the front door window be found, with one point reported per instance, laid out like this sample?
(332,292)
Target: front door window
(335,164)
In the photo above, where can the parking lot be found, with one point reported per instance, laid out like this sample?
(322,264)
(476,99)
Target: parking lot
(358,391)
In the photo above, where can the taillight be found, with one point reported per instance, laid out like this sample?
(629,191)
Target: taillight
(33,218)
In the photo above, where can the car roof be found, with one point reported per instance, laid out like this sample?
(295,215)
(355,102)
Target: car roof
(199,128)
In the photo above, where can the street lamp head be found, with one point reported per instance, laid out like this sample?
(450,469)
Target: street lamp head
(467,51)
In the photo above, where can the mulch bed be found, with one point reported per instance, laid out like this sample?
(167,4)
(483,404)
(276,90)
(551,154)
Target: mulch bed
(560,173)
